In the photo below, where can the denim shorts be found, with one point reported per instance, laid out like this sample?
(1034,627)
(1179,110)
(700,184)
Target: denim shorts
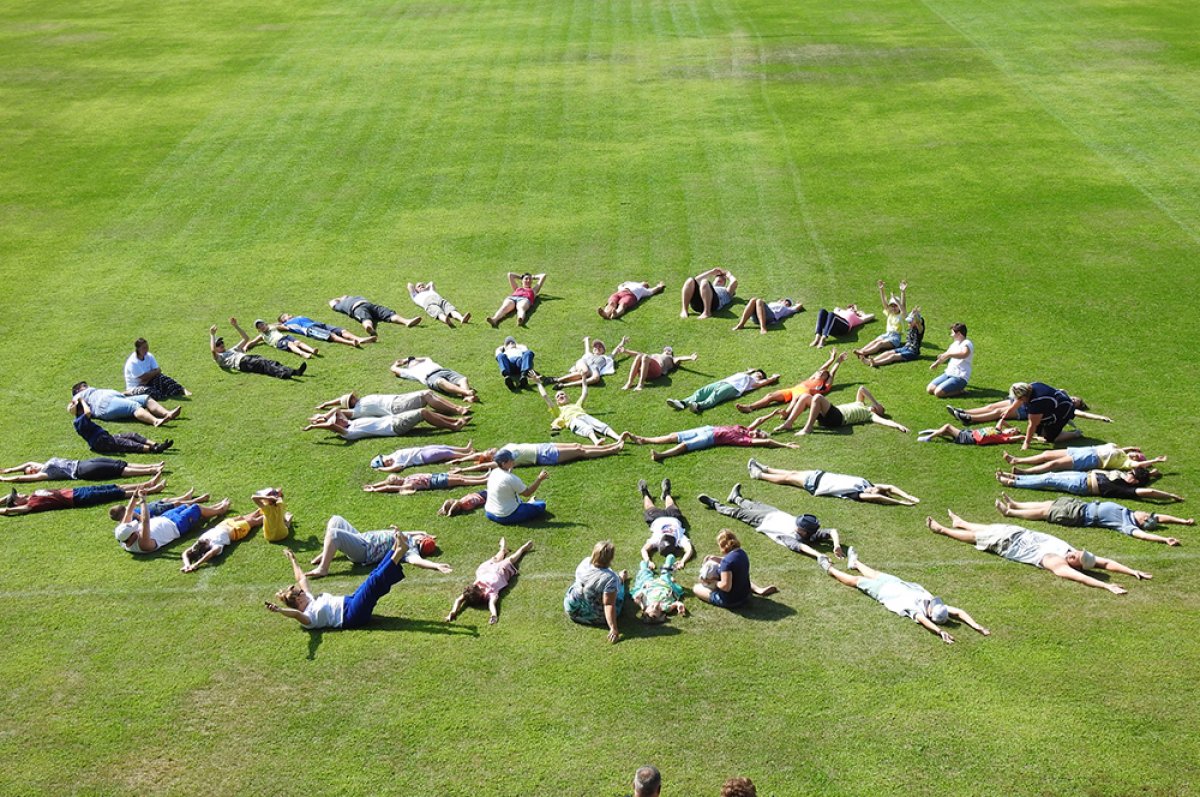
(697,439)
(949,384)
(116,408)
(1084,458)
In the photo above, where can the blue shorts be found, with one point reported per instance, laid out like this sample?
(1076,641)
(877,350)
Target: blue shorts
(697,439)
(907,353)
(283,342)
(547,454)
(118,408)
(950,385)
(185,518)
(439,481)
(1084,458)
(892,338)
(725,599)
(525,511)
(872,586)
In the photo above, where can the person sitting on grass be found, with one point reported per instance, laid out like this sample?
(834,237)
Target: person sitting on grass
(303,325)
(764,313)
(821,382)
(343,424)
(572,416)
(1102,457)
(516,363)
(277,520)
(96,469)
(1105,484)
(597,595)
(419,482)
(425,296)
(900,597)
(100,441)
(703,437)
(911,349)
(160,507)
(668,528)
(371,547)
(895,308)
(592,366)
(505,491)
(628,296)
(650,366)
(729,585)
(524,290)
(416,456)
(111,405)
(236,358)
(378,405)
(368,314)
(727,389)
(1097,514)
(1035,548)
(708,292)
(972,437)
(656,593)
(146,533)
(143,376)
(432,375)
(797,533)
(275,336)
(539,454)
(838,322)
(213,542)
(865,408)
(315,612)
(959,359)
(823,483)
(491,578)
(74,498)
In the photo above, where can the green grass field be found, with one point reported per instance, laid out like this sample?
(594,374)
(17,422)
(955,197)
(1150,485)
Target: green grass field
(1031,168)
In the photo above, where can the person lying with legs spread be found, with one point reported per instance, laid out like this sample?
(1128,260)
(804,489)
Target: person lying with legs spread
(1097,514)
(372,547)
(524,290)
(822,483)
(432,375)
(572,416)
(650,366)
(368,313)
(425,296)
(491,578)
(627,296)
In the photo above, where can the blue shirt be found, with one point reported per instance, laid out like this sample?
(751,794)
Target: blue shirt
(89,431)
(737,563)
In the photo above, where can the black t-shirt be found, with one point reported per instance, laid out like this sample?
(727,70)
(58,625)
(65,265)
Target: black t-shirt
(1110,488)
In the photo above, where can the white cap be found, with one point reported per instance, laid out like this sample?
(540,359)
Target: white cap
(124,531)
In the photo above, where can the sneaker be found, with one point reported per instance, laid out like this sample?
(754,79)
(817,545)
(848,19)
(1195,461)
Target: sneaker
(694,407)
(675,404)
(666,488)
(953,411)
(755,468)
(509,383)
(851,558)
(642,488)
(524,383)
(707,500)
(303,367)
(924,438)
(823,562)
(735,494)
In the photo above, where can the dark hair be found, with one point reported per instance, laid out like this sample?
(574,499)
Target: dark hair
(739,787)
(1141,476)
(78,386)
(667,546)
(140,342)
(647,781)
(526,274)
(959,328)
(219,342)
(474,594)
(1083,405)
(762,374)
(201,547)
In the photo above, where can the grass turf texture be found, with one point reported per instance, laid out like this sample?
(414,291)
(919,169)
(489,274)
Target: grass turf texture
(1029,168)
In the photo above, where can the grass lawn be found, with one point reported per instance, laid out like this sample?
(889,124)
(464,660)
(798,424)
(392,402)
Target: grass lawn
(1031,169)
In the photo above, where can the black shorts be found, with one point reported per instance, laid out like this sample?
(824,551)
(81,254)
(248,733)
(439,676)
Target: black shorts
(832,418)
(654,513)
(371,312)
(100,469)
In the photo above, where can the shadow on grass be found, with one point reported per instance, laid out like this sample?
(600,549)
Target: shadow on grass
(980,392)
(397,624)
(633,628)
(764,610)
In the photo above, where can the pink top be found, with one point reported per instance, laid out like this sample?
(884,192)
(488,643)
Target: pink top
(494,576)
(524,293)
(732,436)
(851,317)
(417,481)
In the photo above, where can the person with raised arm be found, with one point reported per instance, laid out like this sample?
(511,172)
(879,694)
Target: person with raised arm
(524,290)
(236,358)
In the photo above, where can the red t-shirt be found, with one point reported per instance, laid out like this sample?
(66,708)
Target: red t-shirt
(732,436)
(45,500)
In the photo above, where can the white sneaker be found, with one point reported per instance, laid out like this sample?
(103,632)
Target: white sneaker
(823,562)
(754,468)
(851,558)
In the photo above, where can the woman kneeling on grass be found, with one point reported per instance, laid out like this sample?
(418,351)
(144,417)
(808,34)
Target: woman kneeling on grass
(598,593)
(315,612)
(491,578)
(725,579)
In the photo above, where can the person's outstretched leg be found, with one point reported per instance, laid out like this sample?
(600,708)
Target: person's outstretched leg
(845,578)
(514,559)
(961,535)
(390,571)
(443,405)
(674,451)
(506,307)
(441,421)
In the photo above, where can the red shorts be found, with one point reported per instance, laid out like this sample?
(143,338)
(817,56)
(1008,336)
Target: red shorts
(625,300)
(653,368)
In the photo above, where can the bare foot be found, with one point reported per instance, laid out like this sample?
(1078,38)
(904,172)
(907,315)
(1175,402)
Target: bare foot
(953,517)
(444,511)
(933,525)
(768,590)
(317,572)
(495,618)
(1009,458)
(683,314)
(413,322)
(654,456)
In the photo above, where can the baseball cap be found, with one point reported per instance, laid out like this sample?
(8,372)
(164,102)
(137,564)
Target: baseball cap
(124,531)
(938,612)
(808,522)
(1087,560)
(1152,522)
(510,340)
(502,456)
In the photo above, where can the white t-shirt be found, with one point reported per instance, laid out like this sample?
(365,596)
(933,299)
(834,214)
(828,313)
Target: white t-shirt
(503,493)
(600,364)
(666,525)
(840,485)
(636,288)
(218,536)
(359,428)
(741,381)
(512,352)
(778,522)
(426,298)
(134,368)
(407,457)
(373,405)
(325,611)
(162,531)
(962,367)
(420,369)
(230,358)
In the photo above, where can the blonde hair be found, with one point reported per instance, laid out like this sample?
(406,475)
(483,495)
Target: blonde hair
(1021,390)
(289,594)
(602,554)
(727,541)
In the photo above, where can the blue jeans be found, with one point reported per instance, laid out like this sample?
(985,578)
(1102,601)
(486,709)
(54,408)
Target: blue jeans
(1065,482)
(514,369)
(526,510)
(358,607)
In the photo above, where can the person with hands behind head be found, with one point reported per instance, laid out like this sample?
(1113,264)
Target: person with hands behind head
(235,358)
(524,293)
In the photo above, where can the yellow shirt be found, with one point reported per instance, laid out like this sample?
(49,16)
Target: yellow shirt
(566,414)
(274,522)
